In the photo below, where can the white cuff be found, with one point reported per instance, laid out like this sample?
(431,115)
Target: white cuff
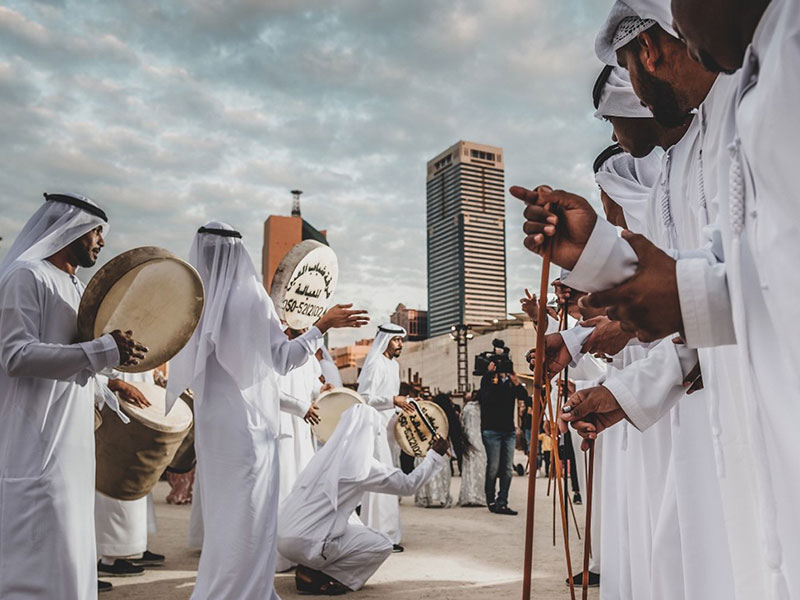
(705,303)
(606,261)
(633,410)
(574,338)
(101,352)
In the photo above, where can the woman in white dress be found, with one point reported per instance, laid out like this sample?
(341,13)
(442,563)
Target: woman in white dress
(473,462)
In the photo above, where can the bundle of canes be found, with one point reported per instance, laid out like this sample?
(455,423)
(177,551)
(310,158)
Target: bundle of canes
(540,398)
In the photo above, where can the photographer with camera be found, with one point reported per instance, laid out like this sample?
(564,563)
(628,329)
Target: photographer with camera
(499,392)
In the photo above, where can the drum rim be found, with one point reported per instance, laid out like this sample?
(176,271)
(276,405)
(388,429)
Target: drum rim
(326,394)
(134,412)
(107,277)
(283,275)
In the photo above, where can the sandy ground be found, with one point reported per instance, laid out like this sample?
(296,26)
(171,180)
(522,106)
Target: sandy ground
(451,554)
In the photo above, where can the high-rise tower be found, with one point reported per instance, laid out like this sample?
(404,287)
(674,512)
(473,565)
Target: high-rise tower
(466,237)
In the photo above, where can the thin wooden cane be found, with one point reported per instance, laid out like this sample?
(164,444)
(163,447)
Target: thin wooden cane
(538,380)
(563,505)
(587,543)
(574,518)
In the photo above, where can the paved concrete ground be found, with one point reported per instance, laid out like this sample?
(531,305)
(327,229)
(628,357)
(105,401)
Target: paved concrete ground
(451,554)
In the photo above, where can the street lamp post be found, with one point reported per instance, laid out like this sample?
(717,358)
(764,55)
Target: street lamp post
(461,334)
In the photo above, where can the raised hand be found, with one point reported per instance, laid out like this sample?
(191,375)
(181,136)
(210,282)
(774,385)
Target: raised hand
(530,306)
(647,304)
(128,393)
(565,218)
(342,315)
(131,352)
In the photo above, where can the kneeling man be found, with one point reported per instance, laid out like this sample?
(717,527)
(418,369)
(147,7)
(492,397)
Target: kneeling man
(317,528)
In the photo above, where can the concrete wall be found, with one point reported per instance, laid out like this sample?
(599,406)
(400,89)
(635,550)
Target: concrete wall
(434,360)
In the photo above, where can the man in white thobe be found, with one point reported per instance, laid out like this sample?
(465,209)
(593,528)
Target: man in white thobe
(299,389)
(47,395)
(336,552)
(379,386)
(231,363)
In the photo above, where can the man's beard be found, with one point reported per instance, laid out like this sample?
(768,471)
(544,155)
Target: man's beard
(662,99)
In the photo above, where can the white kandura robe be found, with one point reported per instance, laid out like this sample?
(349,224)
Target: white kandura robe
(381,511)
(239,480)
(121,526)
(351,552)
(299,388)
(47,460)
(674,223)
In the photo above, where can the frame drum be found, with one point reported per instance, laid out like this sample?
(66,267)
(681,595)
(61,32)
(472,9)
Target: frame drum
(411,432)
(332,405)
(304,282)
(131,457)
(150,292)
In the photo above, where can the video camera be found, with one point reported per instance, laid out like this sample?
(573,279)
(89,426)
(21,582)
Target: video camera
(499,355)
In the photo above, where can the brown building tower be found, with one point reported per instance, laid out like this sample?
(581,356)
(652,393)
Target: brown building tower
(281,233)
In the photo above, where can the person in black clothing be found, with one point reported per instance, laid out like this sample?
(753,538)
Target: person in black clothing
(498,399)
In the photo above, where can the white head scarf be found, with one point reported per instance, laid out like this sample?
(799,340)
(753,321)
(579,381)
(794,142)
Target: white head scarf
(347,455)
(61,220)
(627,19)
(386,332)
(629,181)
(614,96)
(234,325)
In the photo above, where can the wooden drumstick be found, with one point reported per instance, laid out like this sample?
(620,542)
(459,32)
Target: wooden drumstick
(538,385)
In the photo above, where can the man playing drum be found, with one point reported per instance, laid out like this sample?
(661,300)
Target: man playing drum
(379,385)
(47,393)
(231,363)
(336,553)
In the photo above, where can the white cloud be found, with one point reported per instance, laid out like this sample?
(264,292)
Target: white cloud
(173,113)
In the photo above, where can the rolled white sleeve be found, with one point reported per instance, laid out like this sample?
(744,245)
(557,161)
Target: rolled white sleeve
(23,354)
(294,406)
(606,261)
(388,480)
(705,303)
(648,388)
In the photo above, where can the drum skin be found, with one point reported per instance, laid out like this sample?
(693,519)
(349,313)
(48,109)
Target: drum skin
(412,434)
(304,283)
(150,292)
(331,405)
(98,419)
(131,457)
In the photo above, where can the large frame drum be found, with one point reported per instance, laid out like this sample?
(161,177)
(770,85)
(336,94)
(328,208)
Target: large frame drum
(149,291)
(413,434)
(131,457)
(331,405)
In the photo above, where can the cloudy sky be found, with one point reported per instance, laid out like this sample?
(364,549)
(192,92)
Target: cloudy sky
(172,113)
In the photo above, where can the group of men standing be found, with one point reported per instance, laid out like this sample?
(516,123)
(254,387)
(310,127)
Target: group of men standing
(691,304)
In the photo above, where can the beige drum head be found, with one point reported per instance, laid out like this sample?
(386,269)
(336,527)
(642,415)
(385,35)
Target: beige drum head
(178,420)
(332,405)
(411,433)
(304,282)
(150,292)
